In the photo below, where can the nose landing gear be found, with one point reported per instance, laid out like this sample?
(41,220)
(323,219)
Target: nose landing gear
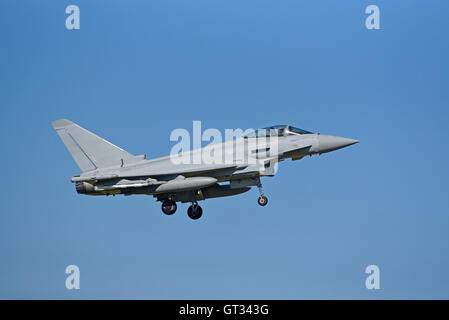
(262,200)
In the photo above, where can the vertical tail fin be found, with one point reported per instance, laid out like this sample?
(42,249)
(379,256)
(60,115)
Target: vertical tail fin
(87,149)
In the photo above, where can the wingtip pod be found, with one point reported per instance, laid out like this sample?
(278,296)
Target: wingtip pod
(61,123)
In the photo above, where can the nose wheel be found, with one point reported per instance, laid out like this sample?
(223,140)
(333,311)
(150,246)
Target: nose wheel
(262,201)
(195,211)
(169,207)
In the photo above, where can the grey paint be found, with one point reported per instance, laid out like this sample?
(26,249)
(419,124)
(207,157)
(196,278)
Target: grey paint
(109,170)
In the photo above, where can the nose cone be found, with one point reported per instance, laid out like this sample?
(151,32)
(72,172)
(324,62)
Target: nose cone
(331,143)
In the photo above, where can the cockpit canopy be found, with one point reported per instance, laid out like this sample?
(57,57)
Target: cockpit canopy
(279,130)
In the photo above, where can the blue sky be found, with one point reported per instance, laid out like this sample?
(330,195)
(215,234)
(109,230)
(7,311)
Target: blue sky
(136,70)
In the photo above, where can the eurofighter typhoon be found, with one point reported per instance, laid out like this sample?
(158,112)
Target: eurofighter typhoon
(235,167)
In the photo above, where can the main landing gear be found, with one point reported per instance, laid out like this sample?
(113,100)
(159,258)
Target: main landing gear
(169,207)
(262,201)
(194,212)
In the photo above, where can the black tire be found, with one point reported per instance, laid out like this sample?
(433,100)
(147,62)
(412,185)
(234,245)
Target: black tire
(169,207)
(194,212)
(262,201)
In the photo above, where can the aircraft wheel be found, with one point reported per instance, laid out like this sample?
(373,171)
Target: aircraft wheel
(262,201)
(169,207)
(194,212)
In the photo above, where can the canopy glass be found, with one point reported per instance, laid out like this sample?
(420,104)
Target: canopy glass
(279,130)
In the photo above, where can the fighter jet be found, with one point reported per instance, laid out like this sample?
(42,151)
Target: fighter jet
(110,170)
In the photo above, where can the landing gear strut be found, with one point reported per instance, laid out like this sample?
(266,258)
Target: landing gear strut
(194,212)
(169,207)
(262,201)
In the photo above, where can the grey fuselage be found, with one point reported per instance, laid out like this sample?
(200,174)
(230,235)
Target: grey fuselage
(186,177)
